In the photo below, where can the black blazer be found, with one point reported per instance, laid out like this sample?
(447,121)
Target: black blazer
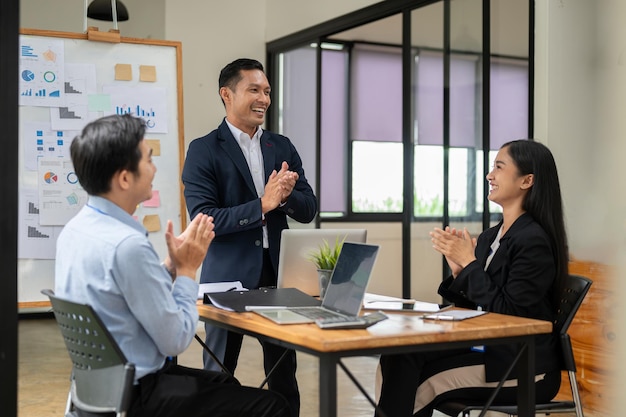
(519,281)
(218,182)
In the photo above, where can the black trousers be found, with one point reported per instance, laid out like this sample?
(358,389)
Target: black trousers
(176,391)
(283,378)
(402,374)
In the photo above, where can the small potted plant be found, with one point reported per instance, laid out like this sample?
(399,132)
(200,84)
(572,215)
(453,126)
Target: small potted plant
(325,259)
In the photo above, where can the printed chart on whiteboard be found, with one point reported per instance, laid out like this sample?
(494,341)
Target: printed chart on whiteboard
(65,82)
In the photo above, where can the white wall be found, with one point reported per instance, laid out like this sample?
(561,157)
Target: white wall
(579,60)
(213,33)
(580,106)
(288,16)
(146,17)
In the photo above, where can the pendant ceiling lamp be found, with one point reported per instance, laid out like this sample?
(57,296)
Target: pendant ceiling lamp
(107,10)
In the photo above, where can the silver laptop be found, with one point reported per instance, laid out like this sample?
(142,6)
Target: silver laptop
(344,296)
(295,269)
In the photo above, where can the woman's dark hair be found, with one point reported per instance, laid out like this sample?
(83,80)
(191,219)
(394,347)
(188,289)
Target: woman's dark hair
(543,202)
(104,147)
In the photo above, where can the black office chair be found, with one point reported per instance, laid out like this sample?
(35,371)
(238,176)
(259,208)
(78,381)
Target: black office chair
(572,297)
(102,378)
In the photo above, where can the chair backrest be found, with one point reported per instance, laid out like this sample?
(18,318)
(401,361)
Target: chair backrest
(574,290)
(102,378)
(573,293)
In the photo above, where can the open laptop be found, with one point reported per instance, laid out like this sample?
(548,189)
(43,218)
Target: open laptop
(295,269)
(346,289)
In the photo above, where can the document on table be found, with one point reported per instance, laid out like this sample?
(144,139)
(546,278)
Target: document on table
(219,287)
(454,315)
(385,302)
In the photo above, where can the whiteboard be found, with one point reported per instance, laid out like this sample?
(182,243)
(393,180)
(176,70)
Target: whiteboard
(163,59)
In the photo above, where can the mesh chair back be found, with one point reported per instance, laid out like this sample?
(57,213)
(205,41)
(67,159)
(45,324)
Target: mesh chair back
(102,378)
(574,290)
(573,293)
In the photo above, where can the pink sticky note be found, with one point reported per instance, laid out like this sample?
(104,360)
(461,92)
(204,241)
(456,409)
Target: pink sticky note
(155,201)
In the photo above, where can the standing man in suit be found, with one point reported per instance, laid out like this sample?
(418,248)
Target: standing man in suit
(249,180)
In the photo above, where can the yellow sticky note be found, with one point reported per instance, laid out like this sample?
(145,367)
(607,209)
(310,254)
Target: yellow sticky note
(147,73)
(123,72)
(152,222)
(155,145)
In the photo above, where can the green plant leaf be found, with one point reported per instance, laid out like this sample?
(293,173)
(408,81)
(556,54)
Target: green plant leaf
(325,257)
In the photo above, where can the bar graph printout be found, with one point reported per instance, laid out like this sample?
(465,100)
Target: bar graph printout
(79,84)
(149,103)
(34,240)
(41,73)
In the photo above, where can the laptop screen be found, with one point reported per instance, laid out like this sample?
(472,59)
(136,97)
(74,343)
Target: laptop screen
(295,269)
(348,283)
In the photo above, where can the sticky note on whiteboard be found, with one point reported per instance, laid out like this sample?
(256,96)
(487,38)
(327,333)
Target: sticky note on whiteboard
(123,72)
(155,201)
(147,73)
(152,222)
(155,145)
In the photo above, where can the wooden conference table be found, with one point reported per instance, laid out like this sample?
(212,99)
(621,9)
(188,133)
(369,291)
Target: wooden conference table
(400,333)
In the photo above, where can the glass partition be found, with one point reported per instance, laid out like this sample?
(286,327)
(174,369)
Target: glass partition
(366,140)
(296,101)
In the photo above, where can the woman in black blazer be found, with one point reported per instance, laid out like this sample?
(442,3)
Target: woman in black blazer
(514,268)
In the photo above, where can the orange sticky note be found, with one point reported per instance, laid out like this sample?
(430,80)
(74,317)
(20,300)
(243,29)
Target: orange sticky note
(147,73)
(152,222)
(155,145)
(123,72)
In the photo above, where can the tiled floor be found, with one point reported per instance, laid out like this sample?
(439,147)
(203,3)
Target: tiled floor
(44,369)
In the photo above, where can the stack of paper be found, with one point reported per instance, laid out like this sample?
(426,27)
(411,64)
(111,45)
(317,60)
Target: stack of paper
(220,287)
(385,302)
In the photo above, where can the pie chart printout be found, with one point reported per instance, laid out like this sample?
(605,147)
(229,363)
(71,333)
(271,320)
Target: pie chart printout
(50,177)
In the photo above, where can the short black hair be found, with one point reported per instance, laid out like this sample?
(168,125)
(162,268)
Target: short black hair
(230,75)
(104,147)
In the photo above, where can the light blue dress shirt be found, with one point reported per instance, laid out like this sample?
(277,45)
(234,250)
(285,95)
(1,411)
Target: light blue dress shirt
(104,259)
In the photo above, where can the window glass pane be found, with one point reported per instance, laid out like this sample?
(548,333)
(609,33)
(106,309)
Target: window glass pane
(376,190)
(428,194)
(464,106)
(509,101)
(334,116)
(376,93)
(429,98)
(297,104)
(460,172)
(466,110)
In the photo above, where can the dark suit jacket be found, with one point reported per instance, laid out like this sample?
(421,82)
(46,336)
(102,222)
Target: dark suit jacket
(218,182)
(518,282)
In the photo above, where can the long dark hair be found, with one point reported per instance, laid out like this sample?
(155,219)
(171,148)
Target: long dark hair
(543,202)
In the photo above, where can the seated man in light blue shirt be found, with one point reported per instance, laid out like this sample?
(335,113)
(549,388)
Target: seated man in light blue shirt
(106,260)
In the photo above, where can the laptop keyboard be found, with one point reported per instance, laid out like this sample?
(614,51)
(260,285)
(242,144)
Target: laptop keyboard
(315,313)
